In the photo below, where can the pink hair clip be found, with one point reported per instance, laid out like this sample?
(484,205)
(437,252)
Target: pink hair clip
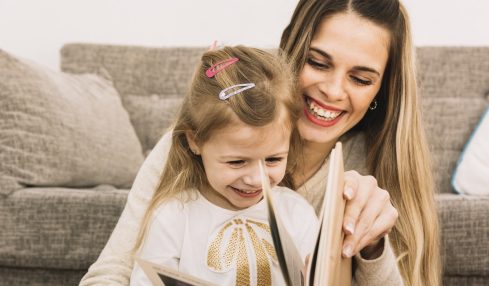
(217,67)
(244,86)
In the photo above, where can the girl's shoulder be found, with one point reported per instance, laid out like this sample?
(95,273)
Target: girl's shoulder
(177,206)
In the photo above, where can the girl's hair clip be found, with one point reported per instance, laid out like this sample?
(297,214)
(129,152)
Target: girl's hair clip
(243,86)
(217,67)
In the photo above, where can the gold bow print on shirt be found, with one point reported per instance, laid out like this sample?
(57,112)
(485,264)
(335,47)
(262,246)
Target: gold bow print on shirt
(232,245)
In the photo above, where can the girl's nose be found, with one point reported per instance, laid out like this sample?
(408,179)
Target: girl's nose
(252,177)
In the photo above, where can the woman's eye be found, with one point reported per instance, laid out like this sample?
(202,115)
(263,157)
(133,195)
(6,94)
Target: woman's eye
(273,160)
(317,64)
(360,81)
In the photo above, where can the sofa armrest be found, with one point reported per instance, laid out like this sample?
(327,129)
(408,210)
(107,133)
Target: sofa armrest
(464,234)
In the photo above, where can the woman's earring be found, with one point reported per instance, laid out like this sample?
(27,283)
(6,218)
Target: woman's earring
(373,105)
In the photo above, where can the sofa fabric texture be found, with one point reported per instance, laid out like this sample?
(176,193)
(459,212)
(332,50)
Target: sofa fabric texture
(60,129)
(52,234)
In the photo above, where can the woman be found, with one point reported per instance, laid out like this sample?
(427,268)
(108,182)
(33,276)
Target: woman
(354,63)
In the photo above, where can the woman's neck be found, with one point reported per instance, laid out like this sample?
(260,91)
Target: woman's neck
(314,155)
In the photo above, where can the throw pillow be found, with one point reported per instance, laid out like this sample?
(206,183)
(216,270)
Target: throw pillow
(471,175)
(58,129)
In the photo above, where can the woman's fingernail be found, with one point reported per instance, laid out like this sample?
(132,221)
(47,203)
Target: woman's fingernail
(349,193)
(347,250)
(350,227)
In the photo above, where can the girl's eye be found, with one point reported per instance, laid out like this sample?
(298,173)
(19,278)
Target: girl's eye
(236,163)
(316,64)
(273,160)
(360,81)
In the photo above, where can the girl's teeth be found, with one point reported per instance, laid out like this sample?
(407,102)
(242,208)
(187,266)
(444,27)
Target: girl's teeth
(246,192)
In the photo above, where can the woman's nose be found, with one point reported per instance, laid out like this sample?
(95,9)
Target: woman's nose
(333,87)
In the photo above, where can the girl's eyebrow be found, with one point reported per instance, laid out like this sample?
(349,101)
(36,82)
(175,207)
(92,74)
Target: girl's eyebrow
(330,58)
(235,157)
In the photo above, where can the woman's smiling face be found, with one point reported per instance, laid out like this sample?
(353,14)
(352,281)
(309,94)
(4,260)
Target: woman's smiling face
(342,74)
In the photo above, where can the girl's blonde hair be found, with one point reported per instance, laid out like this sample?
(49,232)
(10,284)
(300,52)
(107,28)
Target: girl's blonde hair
(203,114)
(398,155)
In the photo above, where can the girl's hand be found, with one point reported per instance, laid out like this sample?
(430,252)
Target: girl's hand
(369,216)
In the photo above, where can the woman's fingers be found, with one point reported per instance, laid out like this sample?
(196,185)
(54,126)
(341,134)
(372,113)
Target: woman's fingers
(375,206)
(351,184)
(361,187)
(382,226)
(369,214)
(374,222)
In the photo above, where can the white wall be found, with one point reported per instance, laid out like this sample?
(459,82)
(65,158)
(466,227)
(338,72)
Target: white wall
(37,29)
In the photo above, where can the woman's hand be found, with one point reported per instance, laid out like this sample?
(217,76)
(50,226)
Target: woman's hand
(369,216)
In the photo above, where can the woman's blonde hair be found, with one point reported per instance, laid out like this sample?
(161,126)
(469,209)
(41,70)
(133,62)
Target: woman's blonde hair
(400,160)
(203,113)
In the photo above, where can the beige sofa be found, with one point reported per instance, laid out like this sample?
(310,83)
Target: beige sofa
(50,235)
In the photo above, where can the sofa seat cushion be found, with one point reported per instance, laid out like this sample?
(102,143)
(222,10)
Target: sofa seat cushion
(57,227)
(68,228)
(464,234)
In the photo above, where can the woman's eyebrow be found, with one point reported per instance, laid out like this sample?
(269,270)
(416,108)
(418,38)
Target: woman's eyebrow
(366,69)
(358,68)
(321,52)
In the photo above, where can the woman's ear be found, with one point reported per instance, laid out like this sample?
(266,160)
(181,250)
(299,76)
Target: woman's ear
(191,142)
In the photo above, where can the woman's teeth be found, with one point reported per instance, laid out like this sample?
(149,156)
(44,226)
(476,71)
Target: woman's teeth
(321,113)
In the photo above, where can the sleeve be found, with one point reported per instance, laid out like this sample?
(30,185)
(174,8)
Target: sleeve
(114,264)
(381,271)
(163,242)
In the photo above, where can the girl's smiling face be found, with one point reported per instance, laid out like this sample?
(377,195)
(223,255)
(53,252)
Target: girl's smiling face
(231,159)
(342,74)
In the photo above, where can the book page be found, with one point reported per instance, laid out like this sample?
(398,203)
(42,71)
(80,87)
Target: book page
(288,256)
(327,266)
(160,275)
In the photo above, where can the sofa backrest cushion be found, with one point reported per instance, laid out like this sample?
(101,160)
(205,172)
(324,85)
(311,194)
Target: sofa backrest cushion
(63,130)
(151,81)
(454,89)
(453,84)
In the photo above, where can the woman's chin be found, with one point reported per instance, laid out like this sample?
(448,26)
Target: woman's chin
(311,132)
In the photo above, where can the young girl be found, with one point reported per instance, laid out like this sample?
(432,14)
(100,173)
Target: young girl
(207,217)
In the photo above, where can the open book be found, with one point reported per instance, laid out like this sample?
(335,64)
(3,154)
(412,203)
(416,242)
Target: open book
(326,265)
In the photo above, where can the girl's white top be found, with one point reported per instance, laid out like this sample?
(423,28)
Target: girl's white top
(222,246)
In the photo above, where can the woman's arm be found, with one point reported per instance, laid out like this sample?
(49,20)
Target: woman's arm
(381,271)
(115,263)
(163,241)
